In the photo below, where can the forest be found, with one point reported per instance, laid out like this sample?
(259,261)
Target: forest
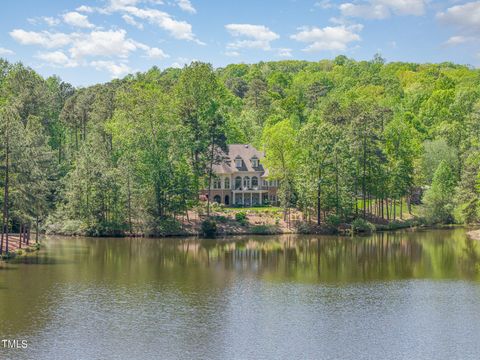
(346,139)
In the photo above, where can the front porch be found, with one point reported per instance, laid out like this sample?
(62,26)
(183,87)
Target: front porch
(250,198)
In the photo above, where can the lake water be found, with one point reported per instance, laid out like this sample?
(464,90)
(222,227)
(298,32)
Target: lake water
(403,295)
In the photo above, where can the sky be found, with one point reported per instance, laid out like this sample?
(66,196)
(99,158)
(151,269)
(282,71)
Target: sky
(92,41)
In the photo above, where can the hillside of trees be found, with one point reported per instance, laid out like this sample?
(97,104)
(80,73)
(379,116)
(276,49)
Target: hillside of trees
(346,139)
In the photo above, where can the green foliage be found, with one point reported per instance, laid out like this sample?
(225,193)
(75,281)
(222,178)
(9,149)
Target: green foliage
(209,228)
(333,221)
(241,217)
(263,230)
(438,199)
(340,136)
(362,226)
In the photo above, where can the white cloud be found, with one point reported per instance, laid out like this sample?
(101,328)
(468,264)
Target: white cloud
(466,16)
(131,21)
(121,4)
(46,39)
(103,43)
(335,38)
(186,5)
(85,8)
(51,21)
(258,36)
(324,4)
(115,69)
(178,29)
(4,51)
(76,19)
(56,58)
(458,39)
(285,52)
(156,53)
(80,46)
(382,9)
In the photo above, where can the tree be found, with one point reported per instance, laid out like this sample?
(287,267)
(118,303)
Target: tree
(438,199)
(318,157)
(281,159)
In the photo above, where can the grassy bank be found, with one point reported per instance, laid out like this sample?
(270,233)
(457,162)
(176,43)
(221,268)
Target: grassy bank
(226,221)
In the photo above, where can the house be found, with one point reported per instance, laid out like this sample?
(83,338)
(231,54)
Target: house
(241,179)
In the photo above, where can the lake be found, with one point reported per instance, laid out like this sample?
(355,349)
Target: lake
(399,295)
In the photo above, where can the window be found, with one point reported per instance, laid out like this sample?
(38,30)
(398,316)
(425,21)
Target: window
(255,162)
(265,183)
(217,184)
(238,183)
(238,163)
(227,183)
(254,182)
(217,199)
(246,182)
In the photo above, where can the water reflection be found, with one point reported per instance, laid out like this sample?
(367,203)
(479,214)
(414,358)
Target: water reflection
(400,255)
(187,297)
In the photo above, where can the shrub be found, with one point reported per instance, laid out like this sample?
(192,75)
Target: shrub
(221,218)
(362,226)
(264,230)
(333,221)
(304,228)
(209,228)
(241,217)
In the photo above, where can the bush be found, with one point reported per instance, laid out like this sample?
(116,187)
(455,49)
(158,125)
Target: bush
(221,218)
(264,230)
(362,226)
(304,228)
(241,217)
(333,221)
(209,228)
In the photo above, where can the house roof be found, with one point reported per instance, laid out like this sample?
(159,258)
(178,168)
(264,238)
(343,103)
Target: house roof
(246,152)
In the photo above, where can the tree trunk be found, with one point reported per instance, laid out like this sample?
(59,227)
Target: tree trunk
(5,193)
(20,235)
(36,230)
(364,185)
(129,204)
(319,195)
(394,209)
(382,210)
(210,174)
(337,196)
(388,214)
(401,208)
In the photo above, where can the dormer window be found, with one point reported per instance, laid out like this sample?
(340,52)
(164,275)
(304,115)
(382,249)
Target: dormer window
(238,162)
(254,161)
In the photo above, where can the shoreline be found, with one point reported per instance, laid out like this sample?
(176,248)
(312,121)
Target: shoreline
(253,231)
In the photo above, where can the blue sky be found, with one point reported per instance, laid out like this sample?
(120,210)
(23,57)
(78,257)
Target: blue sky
(91,41)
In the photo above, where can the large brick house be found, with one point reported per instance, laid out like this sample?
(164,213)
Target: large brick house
(241,179)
